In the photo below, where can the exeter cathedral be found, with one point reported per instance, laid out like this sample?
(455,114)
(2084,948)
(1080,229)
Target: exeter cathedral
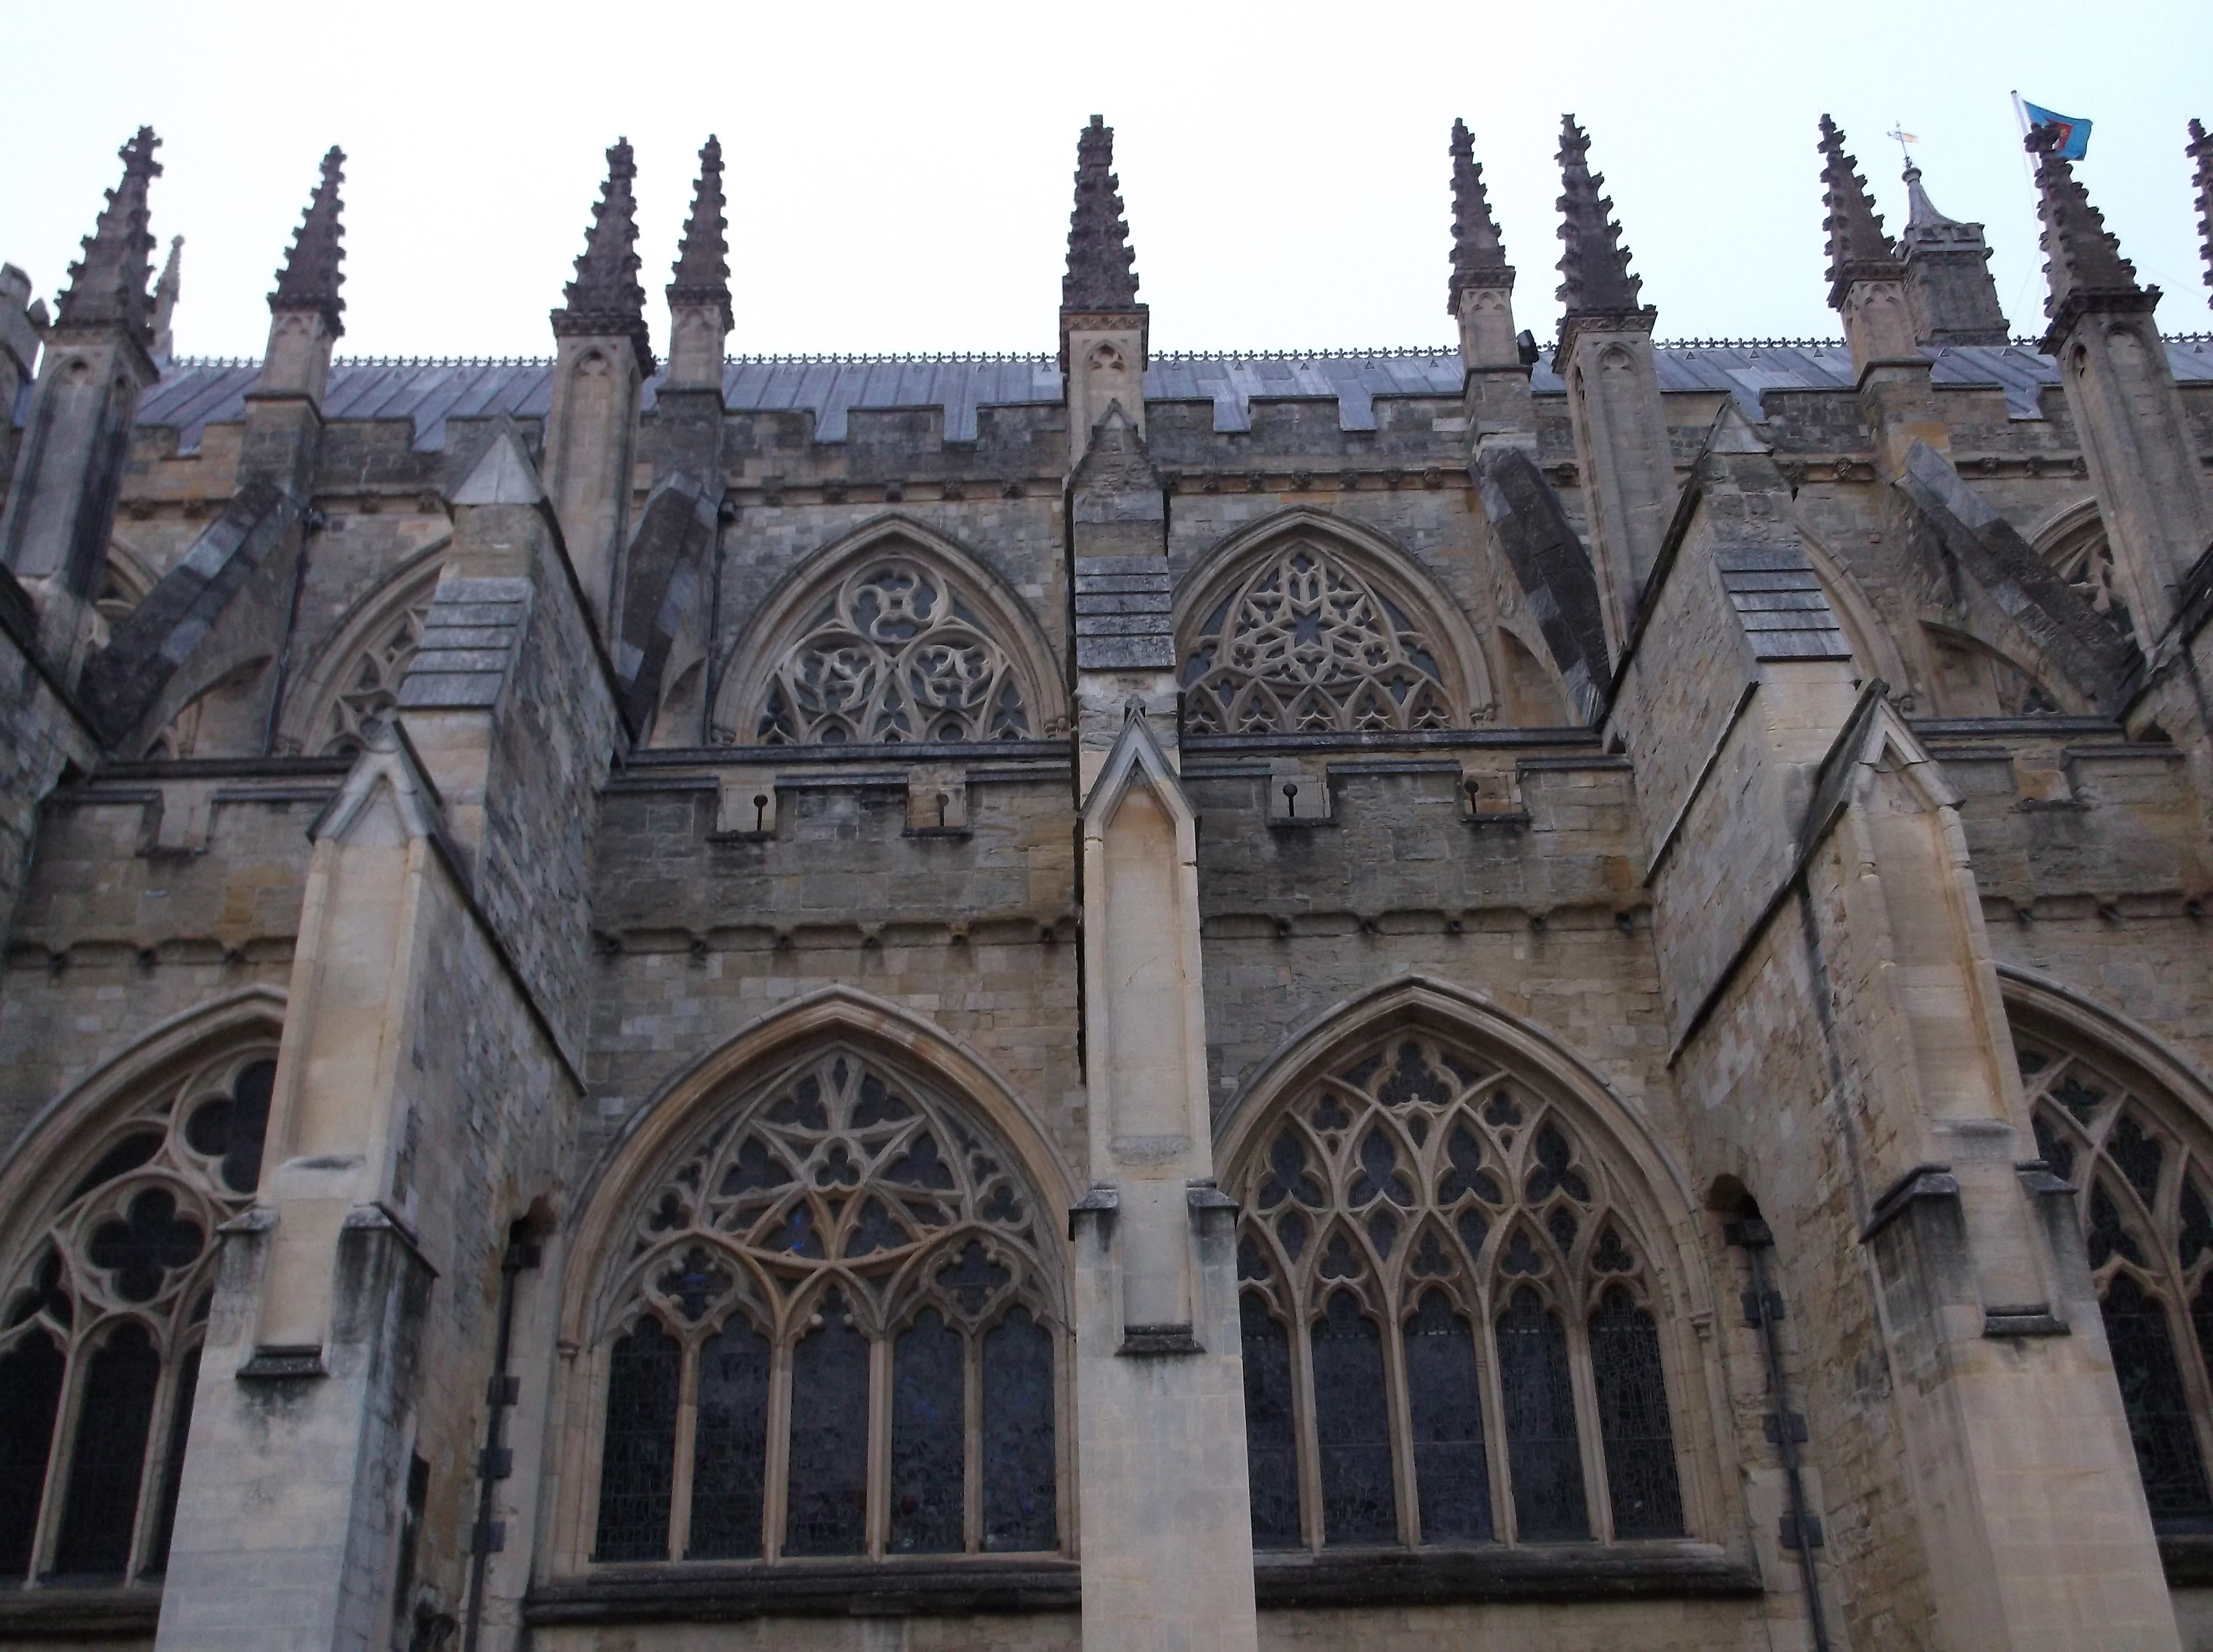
(1551,993)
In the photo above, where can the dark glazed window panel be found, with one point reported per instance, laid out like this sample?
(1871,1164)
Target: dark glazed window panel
(731,1444)
(637,1455)
(1641,1480)
(1271,1462)
(30,1393)
(1352,1426)
(1451,1477)
(1542,1452)
(1020,1477)
(2158,1409)
(125,1156)
(147,1243)
(827,1488)
(173,1468)
(108,1459)
(930,1427)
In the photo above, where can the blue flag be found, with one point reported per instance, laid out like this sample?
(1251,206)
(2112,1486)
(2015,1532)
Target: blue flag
(2074,135)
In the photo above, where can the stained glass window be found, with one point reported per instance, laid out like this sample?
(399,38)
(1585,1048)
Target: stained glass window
(729,1458)
(1417,1186)
(100,1323)
(2143,1180)
(834,1229)
(638,1451)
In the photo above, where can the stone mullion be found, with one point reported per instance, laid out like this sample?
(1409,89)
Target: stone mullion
(775,1463)
(1399,1403)
(684,1462)
(1590,1438)
(972,1428)
(47,1534)
(1497,1458)
(1304,1432)
(878,1514)
(153,1469)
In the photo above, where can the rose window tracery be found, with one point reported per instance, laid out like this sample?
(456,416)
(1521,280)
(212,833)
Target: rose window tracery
(1304,642)
(896,654)
(841,1211)
(1429,1256)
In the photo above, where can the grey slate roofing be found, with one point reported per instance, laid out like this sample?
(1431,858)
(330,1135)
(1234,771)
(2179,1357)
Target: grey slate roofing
(194,395)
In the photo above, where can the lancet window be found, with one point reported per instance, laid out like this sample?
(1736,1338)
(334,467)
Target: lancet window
(897,653)
(2145,1197)
(101,1325)
(835,1331)
(1306,642)
(1449,1317)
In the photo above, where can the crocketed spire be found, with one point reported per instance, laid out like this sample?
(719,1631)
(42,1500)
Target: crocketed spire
(2201,151)
(107,285)
(1100,276)
(310,279)
(1858,248)
(703,262)
(1594,268)
(1479,258)
(606,301)
(2082,264)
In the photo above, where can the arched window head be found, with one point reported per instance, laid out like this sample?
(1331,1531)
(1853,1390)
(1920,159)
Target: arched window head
(101,1321)
(2078,549)
(2143,1176)
(1442,1250)
(366,693)
(857,1285)
(898,651)
(1307,639)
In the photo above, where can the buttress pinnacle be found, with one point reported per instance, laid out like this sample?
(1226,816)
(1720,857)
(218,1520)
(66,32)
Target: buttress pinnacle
(703,262)
(2082,264)
(311,277)
(1858,248)
(107,285)
(606,301)
(2201,151)
(1101,273)
(1478,257)
(1594,268)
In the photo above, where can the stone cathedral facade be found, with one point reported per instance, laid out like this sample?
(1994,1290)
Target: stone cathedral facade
(1553,992)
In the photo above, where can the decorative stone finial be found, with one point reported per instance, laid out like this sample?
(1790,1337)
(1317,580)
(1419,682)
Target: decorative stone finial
(703,262)
(1594,268)
(310,282)
(1858,248)
(2082,264)
(606,301)
(1478,257)
(165,300)
(1101,273)
(107,285)
(2201,151)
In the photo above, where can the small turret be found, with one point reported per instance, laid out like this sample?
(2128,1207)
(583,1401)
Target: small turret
(166,291)
(1102,326)
(2201,151)
(1595,277)
(107,285)
(1947,276)
(606,301)
(2083,265)
(305,309)
(1480,292)
(1866,280)
(699,315)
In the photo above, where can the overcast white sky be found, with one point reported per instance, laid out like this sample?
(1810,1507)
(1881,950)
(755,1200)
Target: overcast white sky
(899,174)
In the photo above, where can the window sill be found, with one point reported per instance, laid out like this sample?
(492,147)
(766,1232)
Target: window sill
(1641,1571)
(64,1611)
(706,1592)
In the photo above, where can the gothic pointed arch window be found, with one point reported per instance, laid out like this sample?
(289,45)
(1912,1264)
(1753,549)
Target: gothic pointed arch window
(897,644)
(1308,637)
(2141,1168)
(355,682)
(103,1319)
(1451,1314)
(833,1328)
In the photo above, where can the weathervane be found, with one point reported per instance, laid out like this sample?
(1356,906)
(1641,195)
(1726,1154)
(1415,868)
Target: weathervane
(1904,137)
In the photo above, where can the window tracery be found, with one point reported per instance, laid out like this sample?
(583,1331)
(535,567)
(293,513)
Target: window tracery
(834,1309)
(2081,554)
(1429,1256)
(370,686)
(2145,1197)
(897,653)
(101,1328)
(1305,641)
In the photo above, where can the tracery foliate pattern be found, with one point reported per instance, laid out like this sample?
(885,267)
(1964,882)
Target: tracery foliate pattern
(370,687)
(2146,1202)
(1414,1217)
(839,1209)
(100,1322)
(1305,643)
(896,655)
(2084,558)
